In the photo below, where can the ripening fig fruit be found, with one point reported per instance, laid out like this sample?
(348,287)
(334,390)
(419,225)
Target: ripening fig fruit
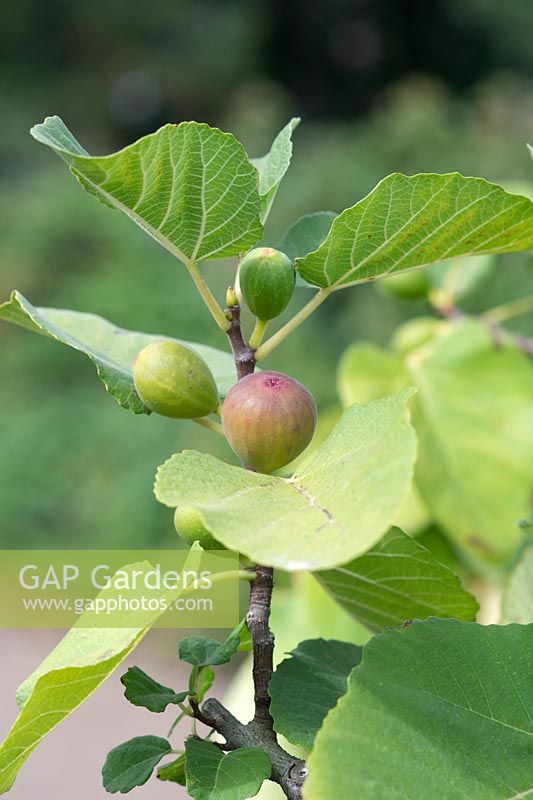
(174,381)
(267,281)
(412,285)
(190,528)
(268,419)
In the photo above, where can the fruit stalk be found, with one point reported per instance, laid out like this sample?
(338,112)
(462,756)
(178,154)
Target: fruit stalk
(243,354)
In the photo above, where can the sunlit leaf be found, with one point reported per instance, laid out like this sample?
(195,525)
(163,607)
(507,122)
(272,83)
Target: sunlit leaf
(273,166)
(189,186)
(474,420)
(80,663)
(408,222)
(338,504)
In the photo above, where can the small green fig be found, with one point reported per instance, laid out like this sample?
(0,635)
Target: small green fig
(268,419)
(190,528)
(174,381)
(412,285)
(267,280)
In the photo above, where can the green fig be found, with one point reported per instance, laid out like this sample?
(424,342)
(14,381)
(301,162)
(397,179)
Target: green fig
(412,285)
(174,381)
(267,280)
(268,419)
(190,528)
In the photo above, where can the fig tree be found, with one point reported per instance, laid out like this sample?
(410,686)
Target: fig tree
(173,380)
(267,279)
(190,528)
(412,285)
(268,419)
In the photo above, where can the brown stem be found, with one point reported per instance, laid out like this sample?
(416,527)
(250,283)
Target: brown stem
(257,620)
(289,772)
(261,587)
(242,352)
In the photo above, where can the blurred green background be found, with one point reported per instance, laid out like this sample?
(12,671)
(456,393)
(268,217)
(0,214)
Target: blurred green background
(381,85)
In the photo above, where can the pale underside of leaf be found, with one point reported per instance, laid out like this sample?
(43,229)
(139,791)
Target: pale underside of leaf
(273,166)
(111,349)
(410,222)
(189,186)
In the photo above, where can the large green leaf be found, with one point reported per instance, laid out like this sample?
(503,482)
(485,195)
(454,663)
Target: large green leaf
(474,420)
(409,222)
(80,663)
(111,349)
(273,166)
(517,604)
(440,709)
(338,504)
(398,580)
(214,775)
(307,685)
(365,373)
(189,186)
(131,764)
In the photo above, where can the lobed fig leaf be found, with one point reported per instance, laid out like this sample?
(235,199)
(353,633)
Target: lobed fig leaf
(188,186)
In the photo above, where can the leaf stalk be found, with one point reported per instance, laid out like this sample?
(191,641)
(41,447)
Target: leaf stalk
(265,349)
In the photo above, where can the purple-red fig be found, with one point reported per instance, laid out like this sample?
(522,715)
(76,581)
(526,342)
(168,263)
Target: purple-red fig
(268,419)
